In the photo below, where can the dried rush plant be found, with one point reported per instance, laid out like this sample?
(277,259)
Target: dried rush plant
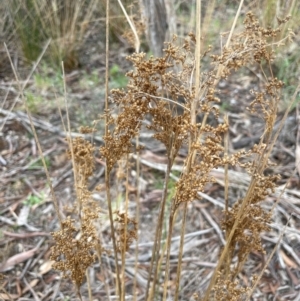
(153,92)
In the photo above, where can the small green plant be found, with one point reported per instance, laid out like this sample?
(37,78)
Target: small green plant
(224,107)
(91,80)
(159,184)
(287,69)
(118,79)
(33,101)
(32,200)
(46,91)
(46,79)
(39,164)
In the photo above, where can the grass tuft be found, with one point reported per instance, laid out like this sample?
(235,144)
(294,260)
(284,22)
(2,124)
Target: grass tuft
(65,22)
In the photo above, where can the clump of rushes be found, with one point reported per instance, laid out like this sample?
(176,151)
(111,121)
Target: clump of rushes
(155,87)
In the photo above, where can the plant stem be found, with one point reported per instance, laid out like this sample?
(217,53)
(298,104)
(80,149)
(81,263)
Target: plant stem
(180,253)
(107,172)
(158,234)
(230,236)
(137,212)
(125,226)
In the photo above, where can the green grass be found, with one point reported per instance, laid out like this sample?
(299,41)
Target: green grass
(34,102)
(39,164)
(32,200)
(117,77)
(90,81)
(47,78)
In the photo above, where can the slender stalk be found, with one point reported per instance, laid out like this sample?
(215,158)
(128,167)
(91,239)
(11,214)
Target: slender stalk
(198,63)
(190,161)
(132,26)
(226,144)
(107,172)
(170,231)
(180,253)
(125,232)
(157,239)
(70,142)
(221,67)
(225,254)
(88,280)
(137,216)
(230,236)
(113,235)
(226,192)
(21,93)
(234,23)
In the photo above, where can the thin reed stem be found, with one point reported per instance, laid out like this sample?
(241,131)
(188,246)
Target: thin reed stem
(107,171)
(70,143)
(137,217)
(21,93)
(226,177)
(192,139)
(224,254)
(132,26)
(157,240)
(221,66)
(179,269)
(113,234)
(125,232)
(169,241)
(88,280)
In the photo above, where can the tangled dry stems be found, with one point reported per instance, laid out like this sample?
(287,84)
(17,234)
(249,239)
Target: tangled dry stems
(155,92)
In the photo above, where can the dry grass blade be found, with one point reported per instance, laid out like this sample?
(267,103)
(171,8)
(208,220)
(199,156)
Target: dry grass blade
(193,139)
(22,87)
(21,93)
(132,26)
(108,170)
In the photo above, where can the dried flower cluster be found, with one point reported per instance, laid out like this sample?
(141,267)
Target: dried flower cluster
(152,80)
(77,240)
(250,46)
(126,229)
(228,289)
